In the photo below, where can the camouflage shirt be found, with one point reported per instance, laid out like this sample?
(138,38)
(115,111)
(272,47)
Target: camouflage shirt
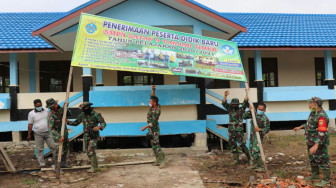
(312,133)
(235,116)
(153,118)
(90,121)
(262,121)
(55,123)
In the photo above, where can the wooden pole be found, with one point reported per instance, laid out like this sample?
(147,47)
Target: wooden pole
(254,120)
(65,110)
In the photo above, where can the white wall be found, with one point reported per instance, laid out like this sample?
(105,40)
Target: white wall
(25,100)
(139,114)
(295,67)
(4,115)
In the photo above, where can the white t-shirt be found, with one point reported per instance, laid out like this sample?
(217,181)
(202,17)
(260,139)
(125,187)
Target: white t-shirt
(39,120)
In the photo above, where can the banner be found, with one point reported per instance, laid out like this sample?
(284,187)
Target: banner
(105,43)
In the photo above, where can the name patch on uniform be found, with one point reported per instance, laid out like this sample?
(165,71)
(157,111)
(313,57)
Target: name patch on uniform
(322,125)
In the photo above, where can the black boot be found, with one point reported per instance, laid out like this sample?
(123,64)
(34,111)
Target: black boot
(326,179)
(63,162)
(248,155)
(315,175)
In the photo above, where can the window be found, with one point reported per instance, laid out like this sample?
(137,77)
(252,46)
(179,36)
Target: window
(4,77)
(320,71)
(210,83)
(138,79)
(269,72)
(54,76)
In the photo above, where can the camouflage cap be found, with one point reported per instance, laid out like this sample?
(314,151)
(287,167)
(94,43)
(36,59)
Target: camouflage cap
(51,102)
(85,104)
(235,101)
(316,100)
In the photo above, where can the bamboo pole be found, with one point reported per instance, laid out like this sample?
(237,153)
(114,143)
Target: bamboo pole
(65,110)
(257,133)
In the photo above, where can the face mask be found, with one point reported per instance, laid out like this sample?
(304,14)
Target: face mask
(235,107)
(259,112)
(87,110)
(313,109)
(39,109)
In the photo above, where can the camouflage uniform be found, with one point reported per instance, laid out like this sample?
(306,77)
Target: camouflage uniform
(314,135)
(316,132)
(90,121)
(264,124)
(236,130)
(55,127)
(154,129)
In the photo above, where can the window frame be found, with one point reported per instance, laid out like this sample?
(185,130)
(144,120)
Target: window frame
(265,70)
(62,69)
(158,79)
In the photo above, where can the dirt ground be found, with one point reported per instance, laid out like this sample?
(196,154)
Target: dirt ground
(286,156)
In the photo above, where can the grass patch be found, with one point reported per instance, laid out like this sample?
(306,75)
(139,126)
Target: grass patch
(29,181)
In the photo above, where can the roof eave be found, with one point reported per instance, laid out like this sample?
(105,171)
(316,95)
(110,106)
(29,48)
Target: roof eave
(270,48)
(27,50)
(69,17)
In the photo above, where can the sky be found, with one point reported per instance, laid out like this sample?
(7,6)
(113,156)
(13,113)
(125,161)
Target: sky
(260,6)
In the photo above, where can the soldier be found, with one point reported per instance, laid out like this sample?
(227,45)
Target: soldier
(263,127)
(317,140)
(154,129)
(90,119)
(55,125)
(236,130)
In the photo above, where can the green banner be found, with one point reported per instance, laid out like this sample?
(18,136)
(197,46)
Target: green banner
(106,43)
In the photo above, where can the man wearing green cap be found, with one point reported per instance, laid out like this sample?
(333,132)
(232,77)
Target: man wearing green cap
(317,140)
(90,120)
(55,126)
(236,130)
(154,130)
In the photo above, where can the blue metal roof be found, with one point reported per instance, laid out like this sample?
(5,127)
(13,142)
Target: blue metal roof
(241,23)
(93,1)
(62,15)
(286,30)
(16,30)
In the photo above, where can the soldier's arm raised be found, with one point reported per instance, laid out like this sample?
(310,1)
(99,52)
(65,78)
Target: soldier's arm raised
(153,90)
(224,101)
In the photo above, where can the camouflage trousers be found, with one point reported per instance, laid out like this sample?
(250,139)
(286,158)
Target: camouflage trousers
(65,147)
(254,147)
(320,158)
(234,138)
(153,137)
(90,145)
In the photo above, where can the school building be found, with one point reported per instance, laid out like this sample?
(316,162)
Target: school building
(288,58)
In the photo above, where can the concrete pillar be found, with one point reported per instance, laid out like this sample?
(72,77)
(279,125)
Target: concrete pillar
(87,83)
(16,136)
(200,142)
(32,77)
(332,125)
(328,66)
(13,85)
(258,75)
(99,77)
